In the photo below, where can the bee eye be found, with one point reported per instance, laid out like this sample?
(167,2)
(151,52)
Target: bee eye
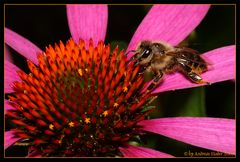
(146,53)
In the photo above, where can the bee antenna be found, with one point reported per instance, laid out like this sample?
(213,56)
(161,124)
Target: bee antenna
(130,51)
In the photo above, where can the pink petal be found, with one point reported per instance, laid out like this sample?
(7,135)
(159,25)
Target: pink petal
(137,151)
(10,76)
(212,133)
(222,67)
(22,45)
(9,139)
(169,23)
(87,21)
(8,106)
(7,54)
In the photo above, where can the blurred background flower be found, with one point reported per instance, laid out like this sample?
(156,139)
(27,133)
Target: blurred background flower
(202,101)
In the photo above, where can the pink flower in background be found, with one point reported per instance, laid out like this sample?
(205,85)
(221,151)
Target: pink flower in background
(169,23)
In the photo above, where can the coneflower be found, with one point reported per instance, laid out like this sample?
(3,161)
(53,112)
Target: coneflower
(78,101)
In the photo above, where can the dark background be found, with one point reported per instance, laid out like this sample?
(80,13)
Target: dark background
(44,25)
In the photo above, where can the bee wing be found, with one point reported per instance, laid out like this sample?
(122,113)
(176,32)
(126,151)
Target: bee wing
(189,57)
(187,54)
(186,49)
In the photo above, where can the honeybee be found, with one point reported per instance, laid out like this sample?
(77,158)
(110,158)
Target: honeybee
(161,58)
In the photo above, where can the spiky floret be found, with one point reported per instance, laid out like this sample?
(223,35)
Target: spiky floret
(78,101)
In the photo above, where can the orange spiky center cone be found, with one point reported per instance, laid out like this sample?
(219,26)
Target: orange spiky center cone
(78,101)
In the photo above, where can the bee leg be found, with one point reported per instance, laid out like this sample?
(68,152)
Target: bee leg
(155,82)
(142,70)
(196,78)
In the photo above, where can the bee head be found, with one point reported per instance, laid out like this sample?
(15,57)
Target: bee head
(148,50)
(144,52)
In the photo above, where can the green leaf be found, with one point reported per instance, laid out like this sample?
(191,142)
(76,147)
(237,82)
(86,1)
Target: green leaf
(121,45)
(186,102)
(195,103)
